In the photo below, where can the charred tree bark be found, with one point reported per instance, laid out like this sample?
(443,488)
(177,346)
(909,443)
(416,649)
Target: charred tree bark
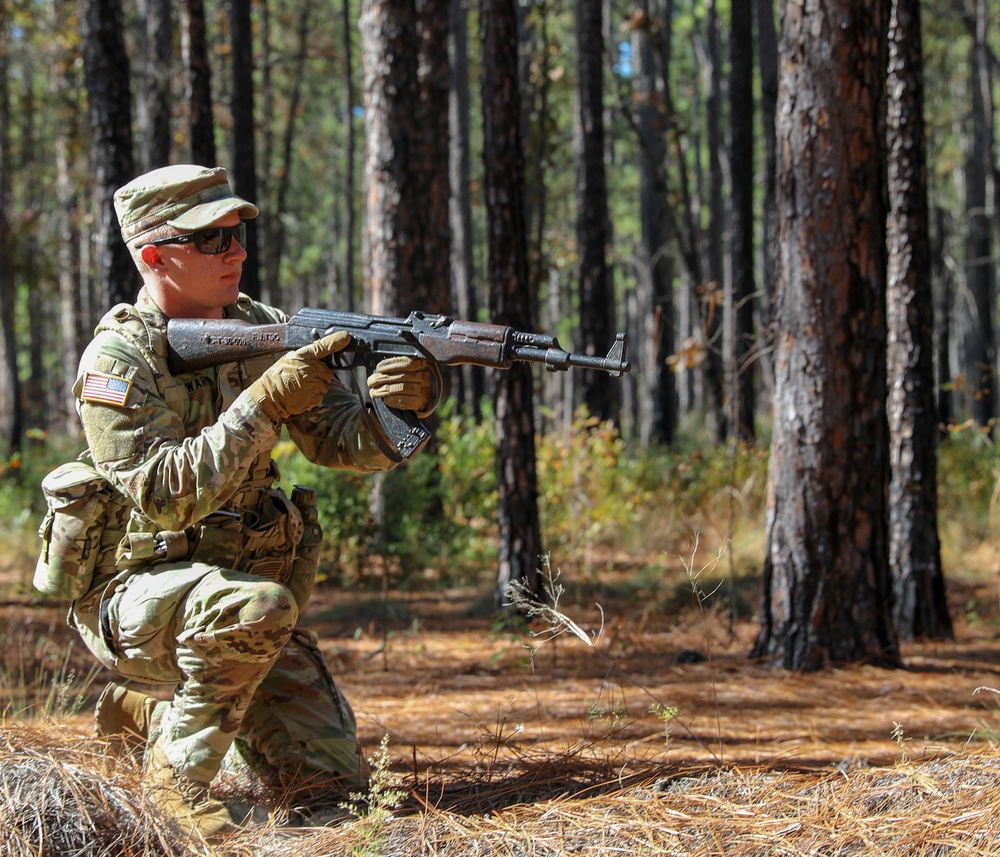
(826,580)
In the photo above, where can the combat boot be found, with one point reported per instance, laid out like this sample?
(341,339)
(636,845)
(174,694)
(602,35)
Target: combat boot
(185,802)
(124,712)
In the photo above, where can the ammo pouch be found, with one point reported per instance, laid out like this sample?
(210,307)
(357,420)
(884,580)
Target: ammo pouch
(279,538)
(303,574)
(77,497)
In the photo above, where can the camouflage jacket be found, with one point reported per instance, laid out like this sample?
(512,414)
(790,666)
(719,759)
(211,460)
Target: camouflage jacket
(178,449)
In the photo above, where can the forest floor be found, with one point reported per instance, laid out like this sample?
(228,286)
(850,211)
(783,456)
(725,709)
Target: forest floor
(654,735)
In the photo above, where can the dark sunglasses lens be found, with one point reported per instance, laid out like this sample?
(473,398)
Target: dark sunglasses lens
(211,242)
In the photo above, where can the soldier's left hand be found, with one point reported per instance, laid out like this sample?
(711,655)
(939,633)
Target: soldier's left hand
(407,384)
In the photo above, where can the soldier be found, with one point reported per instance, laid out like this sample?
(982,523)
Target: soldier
(204,565)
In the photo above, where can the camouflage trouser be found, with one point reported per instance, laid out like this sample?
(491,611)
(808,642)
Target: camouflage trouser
(243,671)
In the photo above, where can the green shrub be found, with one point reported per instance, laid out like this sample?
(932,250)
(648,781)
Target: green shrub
(597,497)
(438,510)
(591,493)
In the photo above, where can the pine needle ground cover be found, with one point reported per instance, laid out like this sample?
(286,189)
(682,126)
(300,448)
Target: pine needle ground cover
(654,735)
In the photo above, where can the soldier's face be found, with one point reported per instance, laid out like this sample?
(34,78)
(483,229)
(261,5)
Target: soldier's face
(207,283)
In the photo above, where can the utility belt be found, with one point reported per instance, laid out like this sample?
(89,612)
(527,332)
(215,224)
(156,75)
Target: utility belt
(272,539)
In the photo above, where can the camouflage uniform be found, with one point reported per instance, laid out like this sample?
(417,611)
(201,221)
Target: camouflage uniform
(204,565)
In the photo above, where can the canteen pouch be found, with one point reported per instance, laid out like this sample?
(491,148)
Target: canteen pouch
(77,497)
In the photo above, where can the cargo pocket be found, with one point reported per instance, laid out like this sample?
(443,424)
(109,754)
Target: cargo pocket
(77,497)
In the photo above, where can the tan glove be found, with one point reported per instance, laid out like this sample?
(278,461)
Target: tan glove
(407,384)
(299,380)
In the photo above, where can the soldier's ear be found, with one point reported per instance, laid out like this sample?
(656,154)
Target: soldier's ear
(151,255)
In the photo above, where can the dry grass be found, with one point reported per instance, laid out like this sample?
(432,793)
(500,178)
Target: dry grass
(504,748)
(64,795)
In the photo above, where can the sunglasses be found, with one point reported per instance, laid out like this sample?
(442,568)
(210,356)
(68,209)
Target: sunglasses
(209,242)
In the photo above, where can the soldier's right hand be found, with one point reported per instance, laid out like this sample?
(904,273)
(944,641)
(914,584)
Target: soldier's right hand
(298,381)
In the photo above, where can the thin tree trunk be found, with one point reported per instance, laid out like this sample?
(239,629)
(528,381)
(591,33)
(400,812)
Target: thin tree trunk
(153,103)
(600,392)
(431,287)
(389,50)
(979,246)
(767,51)
(198,82)
(741,111)
(11,414)
(349,155)
(920,605)
(470,381)
(520,542)
(659,423)
(106,72)
(713,292)
(244,166)
(943,285)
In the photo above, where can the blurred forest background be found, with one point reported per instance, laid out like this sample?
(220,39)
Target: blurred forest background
(789,209)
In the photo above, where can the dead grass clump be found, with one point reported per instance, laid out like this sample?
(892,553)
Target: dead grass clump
(63,796)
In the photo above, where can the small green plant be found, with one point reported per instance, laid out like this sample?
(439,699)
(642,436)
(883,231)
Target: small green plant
(373,810)
(664,713)
(614,717)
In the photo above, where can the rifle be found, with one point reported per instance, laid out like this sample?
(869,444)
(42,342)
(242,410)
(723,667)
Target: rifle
(194,344)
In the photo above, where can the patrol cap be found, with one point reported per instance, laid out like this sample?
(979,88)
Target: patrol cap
(185,196)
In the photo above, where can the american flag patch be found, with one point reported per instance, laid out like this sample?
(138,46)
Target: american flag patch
(106,389)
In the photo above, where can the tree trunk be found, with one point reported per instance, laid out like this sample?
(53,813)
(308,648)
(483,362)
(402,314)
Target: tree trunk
(979,247)
(11,414)
(600,392)
(153,103)
(743,404)
(72,324)
(659,389)
(943,287)
(198,82)
(713,292)
(106,73)
(389,57)
(826,580)
(244,167)
(350,151)
(431,286)
(469,382)
(919,601)
(767,58)
(520,545)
